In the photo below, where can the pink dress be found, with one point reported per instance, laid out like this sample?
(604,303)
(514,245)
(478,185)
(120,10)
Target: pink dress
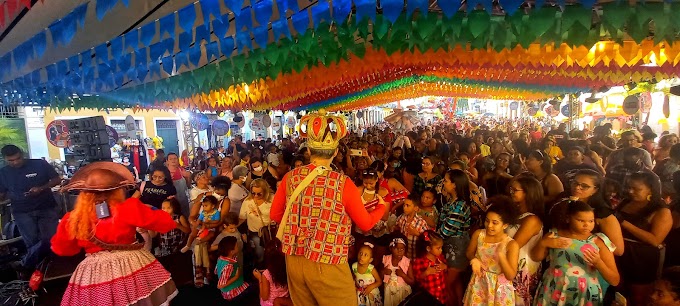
(274,290)
(396,289)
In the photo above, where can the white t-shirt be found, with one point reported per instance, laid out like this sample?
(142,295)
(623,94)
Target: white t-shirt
(195,192)
(249,213)
(273,159)
(236,195)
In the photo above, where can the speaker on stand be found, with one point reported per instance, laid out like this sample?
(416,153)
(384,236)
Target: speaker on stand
(89,139)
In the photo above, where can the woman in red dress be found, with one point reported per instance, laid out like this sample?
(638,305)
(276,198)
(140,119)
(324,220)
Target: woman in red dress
(117,270)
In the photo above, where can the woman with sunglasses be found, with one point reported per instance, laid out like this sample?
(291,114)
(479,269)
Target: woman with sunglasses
(255,212)
(646,221)
(586,186)
(540,165)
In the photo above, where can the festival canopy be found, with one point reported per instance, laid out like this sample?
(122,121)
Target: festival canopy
(335,54)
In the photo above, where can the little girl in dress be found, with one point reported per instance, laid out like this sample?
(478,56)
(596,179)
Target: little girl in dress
(398,273)
(366,277)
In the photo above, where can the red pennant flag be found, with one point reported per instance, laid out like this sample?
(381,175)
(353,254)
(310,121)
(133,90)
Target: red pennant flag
(27,3)
(2,15)
(11,8)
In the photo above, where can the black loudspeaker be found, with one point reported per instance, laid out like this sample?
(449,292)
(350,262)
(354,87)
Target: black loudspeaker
(90,139)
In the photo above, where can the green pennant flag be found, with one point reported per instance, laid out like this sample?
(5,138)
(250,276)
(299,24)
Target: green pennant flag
(478,22)
(380,27)
(576,14)
(615,15)
(541,21)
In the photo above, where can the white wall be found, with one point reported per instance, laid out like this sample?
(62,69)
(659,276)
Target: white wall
(35,132)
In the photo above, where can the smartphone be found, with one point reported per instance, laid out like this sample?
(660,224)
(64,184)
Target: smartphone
(353,152)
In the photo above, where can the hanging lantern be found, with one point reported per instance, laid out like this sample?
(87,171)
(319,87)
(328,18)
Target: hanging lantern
(666,106)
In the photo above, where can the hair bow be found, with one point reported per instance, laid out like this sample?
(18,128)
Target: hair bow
(427,236)
(396,241)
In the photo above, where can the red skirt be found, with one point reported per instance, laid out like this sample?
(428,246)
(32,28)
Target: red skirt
(120,278)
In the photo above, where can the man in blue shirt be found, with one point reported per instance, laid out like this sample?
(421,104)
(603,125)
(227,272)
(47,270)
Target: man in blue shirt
(28,183)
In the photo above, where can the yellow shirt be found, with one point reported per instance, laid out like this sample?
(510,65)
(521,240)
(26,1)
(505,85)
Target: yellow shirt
(485,150)
(555,154)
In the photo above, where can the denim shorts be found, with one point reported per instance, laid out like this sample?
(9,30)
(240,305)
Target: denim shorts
(454,251)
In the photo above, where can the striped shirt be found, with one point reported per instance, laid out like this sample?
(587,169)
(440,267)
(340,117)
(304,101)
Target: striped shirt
(454,219)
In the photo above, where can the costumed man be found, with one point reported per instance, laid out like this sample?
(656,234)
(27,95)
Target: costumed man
(117,270)
(315,207)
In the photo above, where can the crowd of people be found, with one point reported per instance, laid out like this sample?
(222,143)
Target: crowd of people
(454,213)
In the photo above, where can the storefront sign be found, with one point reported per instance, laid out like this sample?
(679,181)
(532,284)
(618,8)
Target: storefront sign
(57,133)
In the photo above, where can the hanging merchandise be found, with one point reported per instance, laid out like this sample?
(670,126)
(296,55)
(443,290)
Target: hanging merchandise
(57,133)
(290,122)
(240,120)
(566,110)
(666,106)
(276,123)
(220,128)
(113,135)
(266,120)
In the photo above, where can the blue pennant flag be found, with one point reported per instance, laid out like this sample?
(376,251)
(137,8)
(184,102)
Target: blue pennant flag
(167,24)
(35,75)
(412,5)
(74,63)
(212,50)
(449,8)
(116,46)
(539,4)
(57,32)
(365,9)
(235,6)
(181,60)
(287,5)
(168,64)
(132,40)
(392,9)
(244,20)
(341,10)
(62,68)
(169,45)
(221,26)
(187,17)
(22,54)
(589,3)
(155,68)
(103,7)
(5,61)
(86,58)
(39,42)
(510,6)
(156,51)
(243,40)
(263,12)
(102,53)
(185,40)
(261,35)
(227,46)
(301,22)
(210,7)
(141,57)
(125,62)
(280,27)
(119,79)
(148,32)
(321,11)
(195,55)
(132,74)
(202,33)
(88,78)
